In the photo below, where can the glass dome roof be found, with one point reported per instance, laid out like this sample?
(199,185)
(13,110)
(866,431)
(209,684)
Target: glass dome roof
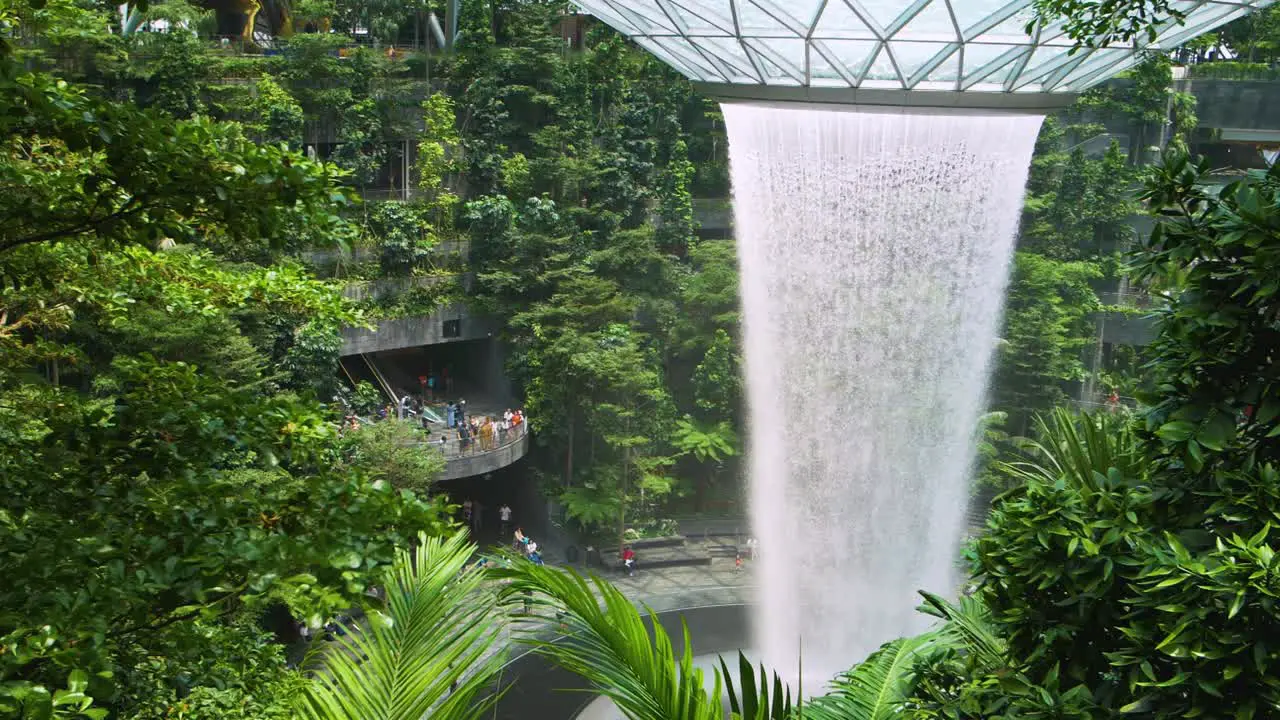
(956,46)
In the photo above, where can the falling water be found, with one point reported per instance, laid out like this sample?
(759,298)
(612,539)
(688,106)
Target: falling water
(874,249)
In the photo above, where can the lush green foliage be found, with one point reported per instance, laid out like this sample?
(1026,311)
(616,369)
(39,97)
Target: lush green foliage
(167,472)
(605,310)
(393,452)
(1100,23)
(1133,572)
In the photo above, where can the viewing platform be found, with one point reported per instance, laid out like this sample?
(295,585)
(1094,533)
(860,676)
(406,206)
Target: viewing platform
(477,457)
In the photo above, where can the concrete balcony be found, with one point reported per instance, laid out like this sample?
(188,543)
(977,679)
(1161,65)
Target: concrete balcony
(473,459)
(452,323)
(1240,110)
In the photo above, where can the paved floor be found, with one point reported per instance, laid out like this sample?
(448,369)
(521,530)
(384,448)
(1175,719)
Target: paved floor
(669,588)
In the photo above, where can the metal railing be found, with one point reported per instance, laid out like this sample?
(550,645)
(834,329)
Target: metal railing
(454,446)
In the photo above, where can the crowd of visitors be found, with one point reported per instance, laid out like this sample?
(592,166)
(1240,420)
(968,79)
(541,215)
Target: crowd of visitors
(461,431)
(482,433)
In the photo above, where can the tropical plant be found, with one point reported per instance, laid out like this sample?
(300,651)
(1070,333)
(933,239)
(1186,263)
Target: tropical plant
(431,650)
(1133,571)
(705,442)
(606,640)
(393,451)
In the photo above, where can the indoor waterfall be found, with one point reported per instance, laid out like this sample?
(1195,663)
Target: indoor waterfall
(874,248)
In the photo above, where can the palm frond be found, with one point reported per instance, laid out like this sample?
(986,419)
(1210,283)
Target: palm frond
(968,625)
(750,699)
(437,630)
(1083,447)
(877,688)
(603,638)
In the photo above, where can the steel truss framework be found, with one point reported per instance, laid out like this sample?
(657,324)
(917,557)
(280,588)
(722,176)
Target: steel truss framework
(966,46)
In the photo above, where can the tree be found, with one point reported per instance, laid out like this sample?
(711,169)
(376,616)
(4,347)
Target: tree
(437,148)
(1101,23)
(167,474)
(76,167)
(394,452)
(363,147)
(1048,324)
(676,226)
(277,117)
(1133,572)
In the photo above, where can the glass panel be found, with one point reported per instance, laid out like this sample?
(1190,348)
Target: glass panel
(882,67)
(788,55)
(978,57)
(1099,60)
(729,51)
(1011,29)
(666,57)
(797,13)
(617,21)
(649,10)
(913,56)
(699,17)
(844,41)
(1080,82)
(970,13)
(932,22)
(840,22)
(755,20)
(1198,23)
(948,71)
(998,75)
(689,57)
(1044,61)
(773,74)
(850,55)
(881,12)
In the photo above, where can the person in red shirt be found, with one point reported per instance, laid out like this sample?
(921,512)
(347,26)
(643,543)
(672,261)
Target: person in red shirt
(629,561)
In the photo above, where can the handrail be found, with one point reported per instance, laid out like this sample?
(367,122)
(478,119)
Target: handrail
(377,375)
(455,448)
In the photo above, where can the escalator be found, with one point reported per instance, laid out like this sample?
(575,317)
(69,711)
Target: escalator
(358,369)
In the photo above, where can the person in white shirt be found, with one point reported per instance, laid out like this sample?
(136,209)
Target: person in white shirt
(504,514)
